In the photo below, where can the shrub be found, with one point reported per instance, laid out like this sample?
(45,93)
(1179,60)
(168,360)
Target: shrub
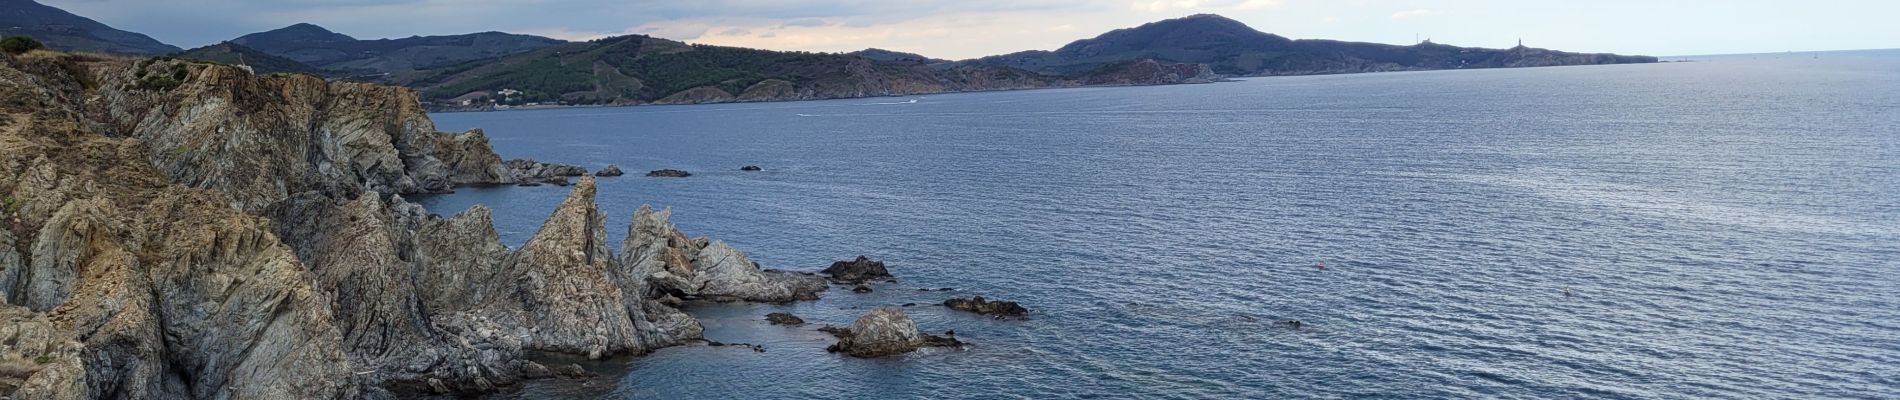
(17,45)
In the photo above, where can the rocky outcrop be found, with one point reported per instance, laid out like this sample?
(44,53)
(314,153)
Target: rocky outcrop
(217,234)
(263,139)
(611,170)
(979,305)
(569,299)
(886,331)
(751,168)
(470,160)
(669,173)
(703,269)
(857,271)
(531,171)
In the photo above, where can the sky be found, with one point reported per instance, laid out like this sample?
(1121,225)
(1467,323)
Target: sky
(959,29)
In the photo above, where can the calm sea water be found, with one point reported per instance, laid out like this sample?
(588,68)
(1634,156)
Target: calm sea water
(1724,229)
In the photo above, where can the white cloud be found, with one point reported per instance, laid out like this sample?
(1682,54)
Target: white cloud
(1418,13)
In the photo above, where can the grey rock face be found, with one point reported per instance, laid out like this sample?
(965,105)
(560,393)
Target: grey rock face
(710,270)
(857,271)
(979,305)
(572,304)
(883,332)
(242,236)
(531,171)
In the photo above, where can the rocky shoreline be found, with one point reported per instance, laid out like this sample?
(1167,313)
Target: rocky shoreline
(229,235)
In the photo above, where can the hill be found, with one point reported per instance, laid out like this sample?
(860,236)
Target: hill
(642,69)
(235,54)
(61,30)
(889,55)
(318,47)
(1233,48)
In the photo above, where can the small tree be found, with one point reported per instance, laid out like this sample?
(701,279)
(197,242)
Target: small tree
(20,45)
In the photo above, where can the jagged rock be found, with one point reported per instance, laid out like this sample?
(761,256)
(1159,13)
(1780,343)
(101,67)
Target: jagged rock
(886,331)
(784,319)
(611,170)
(751,168)
(980,306)
(669,173)
(709,270)
(570,301)
(243,236)
(857,271)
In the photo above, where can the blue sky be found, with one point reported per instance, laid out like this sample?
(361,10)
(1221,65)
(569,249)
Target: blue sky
(972,28)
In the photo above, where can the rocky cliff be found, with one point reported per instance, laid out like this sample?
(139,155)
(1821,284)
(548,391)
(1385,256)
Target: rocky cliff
(172,229)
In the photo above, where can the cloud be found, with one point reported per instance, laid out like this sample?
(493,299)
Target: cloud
(1418,13)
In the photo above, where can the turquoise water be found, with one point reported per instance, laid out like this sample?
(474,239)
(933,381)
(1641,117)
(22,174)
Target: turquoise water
(1719,229)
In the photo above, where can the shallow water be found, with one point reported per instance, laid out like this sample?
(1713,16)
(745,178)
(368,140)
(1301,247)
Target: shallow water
(1724,229)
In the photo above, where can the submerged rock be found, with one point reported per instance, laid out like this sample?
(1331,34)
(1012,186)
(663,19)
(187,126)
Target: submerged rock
(751,168)
(980,306)
(857,271)
(886,331)
(861,289)
(669,173)
(611,170)
(835,331)
(784,319)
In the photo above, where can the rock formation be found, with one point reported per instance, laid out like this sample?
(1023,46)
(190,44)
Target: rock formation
(857,271)
(531,171)
(751,168)
(979,305)
(171,229)
(611,170)
(669,173)
(703,269)
(886,331)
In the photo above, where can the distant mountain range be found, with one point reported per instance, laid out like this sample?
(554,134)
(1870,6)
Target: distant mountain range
(481,70)
(1232,48)
(64,31)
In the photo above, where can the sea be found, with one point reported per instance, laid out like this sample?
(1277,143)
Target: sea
(1722,227)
